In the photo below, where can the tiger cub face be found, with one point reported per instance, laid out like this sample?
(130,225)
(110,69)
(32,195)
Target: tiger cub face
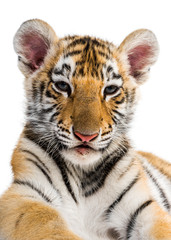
(81,91)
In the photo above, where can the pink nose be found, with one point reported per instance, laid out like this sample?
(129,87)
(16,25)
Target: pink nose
(85,138)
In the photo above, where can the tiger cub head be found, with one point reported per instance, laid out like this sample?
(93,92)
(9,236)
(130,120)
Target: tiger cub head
(81,91)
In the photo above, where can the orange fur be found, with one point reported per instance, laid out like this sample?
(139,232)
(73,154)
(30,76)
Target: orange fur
(161,229)
(31,220)
(158,163)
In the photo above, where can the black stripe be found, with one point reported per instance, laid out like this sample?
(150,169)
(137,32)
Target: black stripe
(115,76)
(133,218)
(87,47)
(62,135)
(50,95)
(42,88)
(48,110)
(102,75)
(95,56)
(105,139)
(115,120)
(80,63)
(28,184)
(132,96)
(60,122)
(67,67)
(81,72)
(30,110)
(80,41)
(94,73)
(92,181)
(162,194)
(66,130)
(58,72)
(103,134)
(34,91)
(73,173)
(109,69)
(53,116)
(120,114)
(97,43)
(124,192)
(69,37)
(74,73)
(41,169)
(103,54)
(45,174)
(63,169)
(108,161)
(121,101)
(84,40)
(88,56)
(37,158)
(54,154)
(73,53)
(127,169)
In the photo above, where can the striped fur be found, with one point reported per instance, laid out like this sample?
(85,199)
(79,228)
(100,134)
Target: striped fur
(64,187)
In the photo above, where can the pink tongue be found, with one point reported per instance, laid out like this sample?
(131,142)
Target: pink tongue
(82,150)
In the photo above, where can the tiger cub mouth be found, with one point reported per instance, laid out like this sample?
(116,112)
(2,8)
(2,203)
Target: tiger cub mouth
(83,149)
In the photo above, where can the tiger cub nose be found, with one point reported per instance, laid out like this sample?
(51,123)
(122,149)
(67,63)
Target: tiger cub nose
(85,138)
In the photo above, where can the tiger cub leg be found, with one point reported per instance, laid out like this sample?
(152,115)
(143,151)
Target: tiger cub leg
(149,222)
(161,228)
(22,219)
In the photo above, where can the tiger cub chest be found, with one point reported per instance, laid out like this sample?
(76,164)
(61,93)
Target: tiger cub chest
(87,219)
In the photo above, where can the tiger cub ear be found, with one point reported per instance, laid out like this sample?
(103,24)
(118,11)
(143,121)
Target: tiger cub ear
(32,43)
(141,48)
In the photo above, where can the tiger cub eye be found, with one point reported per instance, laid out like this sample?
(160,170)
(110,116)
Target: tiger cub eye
(112,89)
(63,86)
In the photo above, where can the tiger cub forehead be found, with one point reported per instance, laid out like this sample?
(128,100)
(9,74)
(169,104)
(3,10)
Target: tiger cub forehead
(87,57)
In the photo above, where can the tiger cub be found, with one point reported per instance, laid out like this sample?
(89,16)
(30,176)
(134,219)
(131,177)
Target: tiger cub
(76,175)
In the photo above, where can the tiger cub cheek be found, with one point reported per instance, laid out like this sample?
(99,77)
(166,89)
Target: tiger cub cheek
(107,123)
(66,115)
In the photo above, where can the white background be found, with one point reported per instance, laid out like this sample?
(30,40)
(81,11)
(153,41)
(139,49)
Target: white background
(108,19)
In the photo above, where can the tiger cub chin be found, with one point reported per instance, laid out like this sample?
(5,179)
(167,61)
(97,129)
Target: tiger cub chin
(76,175)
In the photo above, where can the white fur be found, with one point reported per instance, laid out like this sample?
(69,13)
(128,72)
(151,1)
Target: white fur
(163,182)
(86,219)
(56,78)
(107,78)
